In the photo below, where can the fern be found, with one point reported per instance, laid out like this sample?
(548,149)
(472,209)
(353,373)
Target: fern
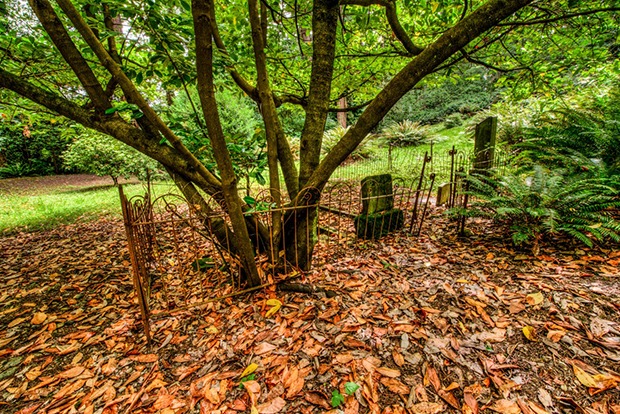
(539,202)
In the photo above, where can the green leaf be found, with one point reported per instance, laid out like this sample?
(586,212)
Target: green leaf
(350,388)
(249,200)
(110,111)
(337,398)
(250,377)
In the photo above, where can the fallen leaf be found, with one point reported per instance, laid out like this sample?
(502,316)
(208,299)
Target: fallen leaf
(505,407)
(275,304)
(144,358)
(253,389)
(585,378)
(250,369)
(395,386)
(431,377)
(263,348)
(427,408)
(272,407)
(38,318)
(71,372)
(534,298)
(33,373)
(317,398)
(15,322)
(388,372)
(398,358)
(530,333)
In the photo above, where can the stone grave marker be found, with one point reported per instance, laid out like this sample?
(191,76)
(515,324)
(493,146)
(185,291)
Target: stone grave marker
(378,217)
(443,194)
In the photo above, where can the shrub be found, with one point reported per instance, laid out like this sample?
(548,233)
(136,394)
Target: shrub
(406,134)
(101,155)
(543,202)
(364,150)
(31,147)
(469,91)
(453,120)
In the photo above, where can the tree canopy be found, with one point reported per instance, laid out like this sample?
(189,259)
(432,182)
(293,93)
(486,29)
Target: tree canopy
(117,66)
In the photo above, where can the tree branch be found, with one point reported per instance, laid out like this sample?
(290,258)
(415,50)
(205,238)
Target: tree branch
(54,27)
(558,18)
(453,40)
(110,125)
(392,18)
(130,90)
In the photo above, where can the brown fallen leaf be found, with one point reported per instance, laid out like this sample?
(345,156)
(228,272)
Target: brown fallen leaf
(317,398)
(253,389)
(505,407)
(15,322)
(395,385)
(33,373)
(109,367)
(272,407)
(555,336)
(71,372)
(144,358)
(431,378)
(471,402)
(388,372)
(69,389)
(427,408)
(263,348)
(296,386)
(449,398)
(38,318)
(398,358)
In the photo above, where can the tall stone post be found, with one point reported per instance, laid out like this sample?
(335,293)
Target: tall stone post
(484,145)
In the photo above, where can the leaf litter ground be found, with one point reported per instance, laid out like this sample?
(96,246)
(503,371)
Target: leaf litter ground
(429,325)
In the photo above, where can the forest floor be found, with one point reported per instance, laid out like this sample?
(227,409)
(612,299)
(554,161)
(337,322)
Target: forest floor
(427,325)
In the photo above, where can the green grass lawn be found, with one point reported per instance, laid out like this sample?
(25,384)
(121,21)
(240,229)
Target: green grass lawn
(29,212)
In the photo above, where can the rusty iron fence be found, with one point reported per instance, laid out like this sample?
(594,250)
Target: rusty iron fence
(182,253)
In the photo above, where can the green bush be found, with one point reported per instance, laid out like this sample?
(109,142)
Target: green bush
(31,147)
(406,134)
(466,92)
(104,156)
(453,120)
(543,202)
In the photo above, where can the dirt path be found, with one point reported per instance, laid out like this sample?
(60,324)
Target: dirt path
(48,184)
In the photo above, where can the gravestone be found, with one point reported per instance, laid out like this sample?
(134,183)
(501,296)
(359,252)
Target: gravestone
(443,194)
(377,193)
(484,145)
(378,217)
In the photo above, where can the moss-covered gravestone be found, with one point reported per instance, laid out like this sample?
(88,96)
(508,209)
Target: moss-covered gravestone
(378,217)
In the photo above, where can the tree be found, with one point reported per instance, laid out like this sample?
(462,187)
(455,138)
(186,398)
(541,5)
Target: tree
(308,53)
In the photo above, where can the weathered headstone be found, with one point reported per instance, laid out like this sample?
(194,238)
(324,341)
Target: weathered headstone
(378,217)
(484,145)
(443,194)
(377,193)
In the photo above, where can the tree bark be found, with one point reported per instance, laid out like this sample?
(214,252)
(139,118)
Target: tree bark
(324,28)
(202,10)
